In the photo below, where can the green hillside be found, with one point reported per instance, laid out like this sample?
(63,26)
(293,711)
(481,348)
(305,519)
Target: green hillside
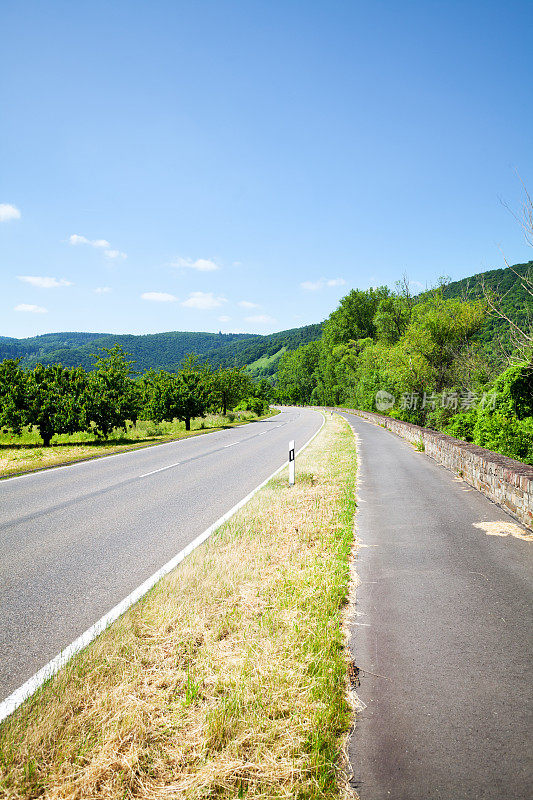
(514,302)
(157,350)
(259,353)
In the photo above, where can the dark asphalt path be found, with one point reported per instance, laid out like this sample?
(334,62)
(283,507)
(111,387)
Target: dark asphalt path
(444,621)
(75,541)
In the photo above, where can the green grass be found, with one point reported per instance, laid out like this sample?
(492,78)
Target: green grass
(265,364)
(229,679)
(26,452)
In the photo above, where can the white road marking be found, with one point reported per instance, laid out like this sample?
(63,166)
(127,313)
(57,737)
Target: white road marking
(84,462)
(231,445)
(15,699)
(160,469)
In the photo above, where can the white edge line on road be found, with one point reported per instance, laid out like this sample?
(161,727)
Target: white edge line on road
(161,469)
(85,461)
(15,699)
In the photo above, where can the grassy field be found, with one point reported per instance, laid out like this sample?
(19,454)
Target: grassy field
(262,363)
(26,452)
(229,679)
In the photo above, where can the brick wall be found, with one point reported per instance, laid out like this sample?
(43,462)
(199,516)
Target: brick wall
(507,482)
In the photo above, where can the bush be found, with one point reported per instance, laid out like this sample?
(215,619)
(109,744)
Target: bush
(461,426)
(502,426)
(254,404)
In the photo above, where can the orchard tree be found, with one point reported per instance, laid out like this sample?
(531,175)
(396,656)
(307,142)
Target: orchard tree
(112,397)
(193,387)
(54,400)
(180,396)
(13,385)
(228,386)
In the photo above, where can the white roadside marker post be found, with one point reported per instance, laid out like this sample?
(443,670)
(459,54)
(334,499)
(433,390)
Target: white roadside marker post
(292,463)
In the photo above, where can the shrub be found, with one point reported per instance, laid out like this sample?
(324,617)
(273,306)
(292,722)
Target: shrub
(503,425)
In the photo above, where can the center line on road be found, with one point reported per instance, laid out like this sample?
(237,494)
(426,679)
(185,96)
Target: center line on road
(231,445)
(160,469)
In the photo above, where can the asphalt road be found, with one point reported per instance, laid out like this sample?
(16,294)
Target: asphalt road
(442,634)
(76,540)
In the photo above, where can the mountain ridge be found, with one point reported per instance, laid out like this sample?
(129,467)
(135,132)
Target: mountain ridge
(259,352)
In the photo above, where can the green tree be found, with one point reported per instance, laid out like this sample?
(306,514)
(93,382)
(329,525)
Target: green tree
(54,400)
(228,386)
(505,424)
(13,387)
(351,321)
(182,396)
(112,397)
(296,377)
(392,318)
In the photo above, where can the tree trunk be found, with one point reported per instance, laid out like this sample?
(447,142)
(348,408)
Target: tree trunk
(187,423)
(46,436)
(224,404)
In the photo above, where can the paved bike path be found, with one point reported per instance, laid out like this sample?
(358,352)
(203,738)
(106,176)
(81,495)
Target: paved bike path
(442,634)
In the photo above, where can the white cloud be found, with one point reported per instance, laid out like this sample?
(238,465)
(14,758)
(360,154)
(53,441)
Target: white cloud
(77,239)
(44,283)
(321,283)
(103,290)
(263,319)
(31,309)
(159,297)
(247,304)
(203,300)
(112,254)
(223,318)
(8,212)
(201,264)
(99,244)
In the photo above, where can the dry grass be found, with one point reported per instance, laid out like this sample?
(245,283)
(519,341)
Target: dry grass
(229,679)
(26,454)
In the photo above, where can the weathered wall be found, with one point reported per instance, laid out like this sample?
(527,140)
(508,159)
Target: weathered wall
(507,482)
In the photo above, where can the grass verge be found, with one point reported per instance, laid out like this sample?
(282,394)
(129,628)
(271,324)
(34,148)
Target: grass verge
(19,454)
(228,679)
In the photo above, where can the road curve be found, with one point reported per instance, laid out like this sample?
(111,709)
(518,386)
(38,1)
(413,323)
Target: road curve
(442,634)
(76,540)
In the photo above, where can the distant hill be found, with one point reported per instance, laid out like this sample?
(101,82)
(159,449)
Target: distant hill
(260,354)
(515,302)
(156,350)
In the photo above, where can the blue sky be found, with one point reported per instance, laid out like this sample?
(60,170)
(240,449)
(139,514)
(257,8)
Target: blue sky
(239,165)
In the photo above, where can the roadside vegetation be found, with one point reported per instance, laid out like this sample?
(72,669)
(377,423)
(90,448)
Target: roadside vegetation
(229,679)
(424,357)
(26,452)
(53,414)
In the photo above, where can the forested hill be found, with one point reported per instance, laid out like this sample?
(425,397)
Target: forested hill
(514,301)
(157,350)
(260,354)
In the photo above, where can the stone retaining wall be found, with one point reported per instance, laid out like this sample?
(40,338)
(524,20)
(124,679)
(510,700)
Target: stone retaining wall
(506,482)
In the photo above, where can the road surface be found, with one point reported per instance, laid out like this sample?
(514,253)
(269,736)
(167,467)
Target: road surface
(75,541)
(442,634)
